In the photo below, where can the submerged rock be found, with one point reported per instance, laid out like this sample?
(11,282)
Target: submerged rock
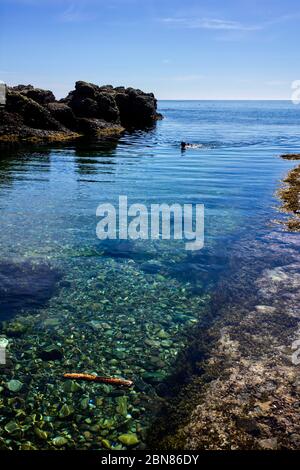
(65,411)
(15,329)
(129,439)
(59,441)
(153,377)
(122,405)
(12,427)
(25,284)
(51,353)
(14,385)
(268,444)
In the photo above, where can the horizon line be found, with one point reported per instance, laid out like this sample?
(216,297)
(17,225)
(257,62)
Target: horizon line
(223,99)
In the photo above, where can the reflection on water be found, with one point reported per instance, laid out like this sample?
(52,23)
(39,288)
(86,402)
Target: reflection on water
(121,307)
(90,156)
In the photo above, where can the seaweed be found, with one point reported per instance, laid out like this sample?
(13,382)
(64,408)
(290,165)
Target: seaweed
(289,194)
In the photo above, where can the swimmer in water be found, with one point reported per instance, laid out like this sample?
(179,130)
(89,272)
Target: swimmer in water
(185,146)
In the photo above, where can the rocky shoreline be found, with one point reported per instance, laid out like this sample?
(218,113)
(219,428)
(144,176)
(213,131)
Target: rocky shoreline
(289,194)
(244,390)
(32,114)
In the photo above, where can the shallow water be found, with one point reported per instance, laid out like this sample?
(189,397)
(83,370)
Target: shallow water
(124,308)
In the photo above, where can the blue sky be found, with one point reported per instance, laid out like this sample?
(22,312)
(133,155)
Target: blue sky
(210,49)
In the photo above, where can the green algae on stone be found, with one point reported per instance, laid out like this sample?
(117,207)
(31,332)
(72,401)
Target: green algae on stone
(59,441)
(65,411)
(289,194)
(129,439)
(14,385)
(291,156)
(12,427)
(122,405)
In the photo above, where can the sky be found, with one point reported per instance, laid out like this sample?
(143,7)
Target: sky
(178,49)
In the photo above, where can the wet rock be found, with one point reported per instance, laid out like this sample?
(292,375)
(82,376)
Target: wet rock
(70,386)
(14,385)
(268,444)
(126,249)
(34,114)
(152,267)
(162,334)
(12,427)
(156,362)
(64,114)
(265,309)
(41,434)
(249,425)
(129,439)
(136,108)
(84,403)
(128,107)
(119,354)
(295,439)
(106,444)
(36,94)
(95,325)
(153,377)
(276,274)
(51,322)
(27,446)
(95,127)
(122,405)
(15,329)
(59,441)
(152,343)
(65,411)
(51,353)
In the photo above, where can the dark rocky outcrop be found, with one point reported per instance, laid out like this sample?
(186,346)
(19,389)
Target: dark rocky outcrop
(32,113)
(136,107)
(37,94)
(91,101)
(64,114)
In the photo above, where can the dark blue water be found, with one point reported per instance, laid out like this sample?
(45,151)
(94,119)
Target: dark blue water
(125,308)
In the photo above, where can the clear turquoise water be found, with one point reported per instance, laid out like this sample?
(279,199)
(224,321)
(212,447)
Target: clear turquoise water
(126,308)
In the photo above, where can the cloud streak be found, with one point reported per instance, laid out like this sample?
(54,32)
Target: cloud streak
(210,24)
(223,25)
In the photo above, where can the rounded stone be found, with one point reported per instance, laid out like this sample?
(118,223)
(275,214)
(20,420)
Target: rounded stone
(129,439)
(14,385)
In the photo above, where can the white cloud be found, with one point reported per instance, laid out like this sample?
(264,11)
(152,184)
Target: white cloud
(224,25)
(210,23)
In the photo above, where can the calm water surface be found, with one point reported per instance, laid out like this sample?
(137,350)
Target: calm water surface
(72,303)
